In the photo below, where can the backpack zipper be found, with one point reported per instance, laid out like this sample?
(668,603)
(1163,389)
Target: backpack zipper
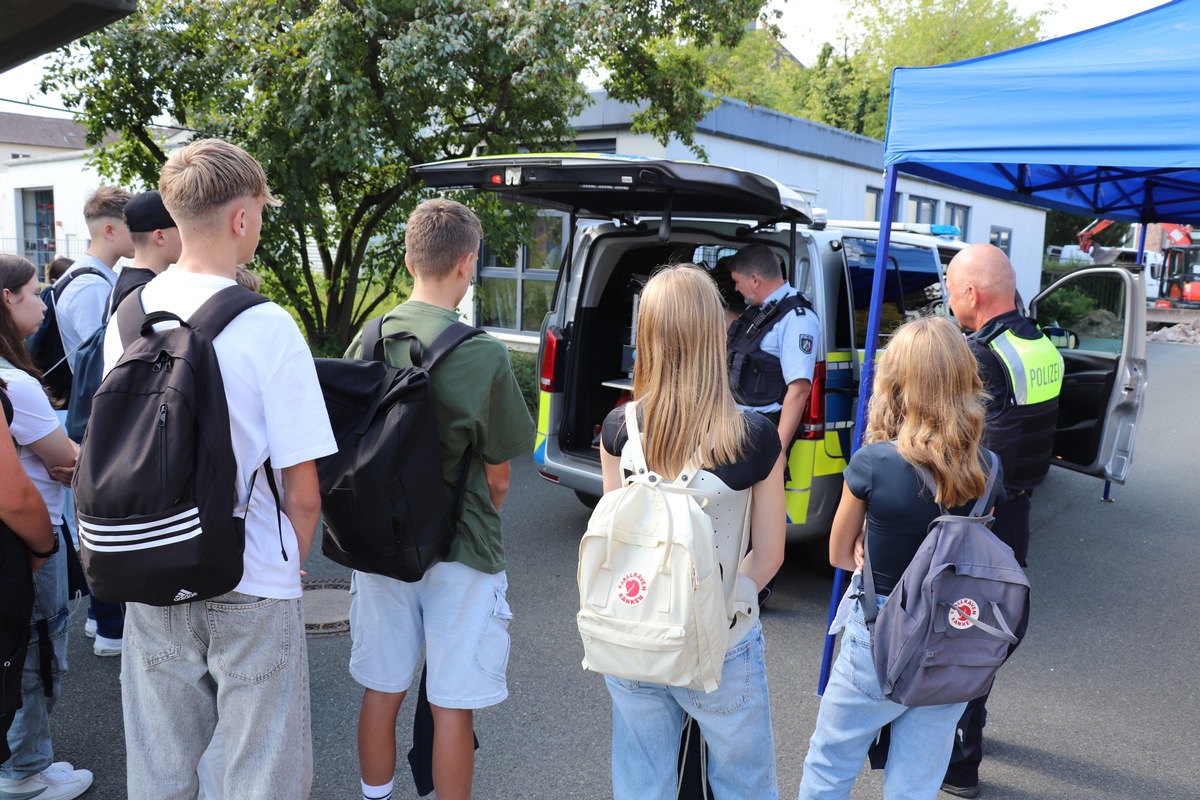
(162,444)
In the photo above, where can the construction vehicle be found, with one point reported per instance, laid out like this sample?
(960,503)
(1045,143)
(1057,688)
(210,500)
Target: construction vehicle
(1178,278)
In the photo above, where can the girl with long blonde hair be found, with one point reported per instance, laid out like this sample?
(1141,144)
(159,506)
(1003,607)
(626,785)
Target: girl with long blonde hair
(926,410)
(685,411)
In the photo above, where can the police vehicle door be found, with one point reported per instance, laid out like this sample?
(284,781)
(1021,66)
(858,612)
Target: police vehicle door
(1097,319)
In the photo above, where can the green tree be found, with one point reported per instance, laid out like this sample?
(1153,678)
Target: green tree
(759,71)
(851,90)
(338,98)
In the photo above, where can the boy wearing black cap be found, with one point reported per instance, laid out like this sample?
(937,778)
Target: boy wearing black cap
(156,244)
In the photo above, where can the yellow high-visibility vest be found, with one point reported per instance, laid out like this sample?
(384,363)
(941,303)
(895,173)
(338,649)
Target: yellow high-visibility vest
(1035,367)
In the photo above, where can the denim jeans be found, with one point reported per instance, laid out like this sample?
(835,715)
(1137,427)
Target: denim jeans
(29,736)
(853,710)
(236,658)
(735,719)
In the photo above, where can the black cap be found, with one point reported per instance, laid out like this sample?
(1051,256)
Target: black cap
(146,212)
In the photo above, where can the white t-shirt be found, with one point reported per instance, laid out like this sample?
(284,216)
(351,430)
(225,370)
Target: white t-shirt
(275,409)
(33,419)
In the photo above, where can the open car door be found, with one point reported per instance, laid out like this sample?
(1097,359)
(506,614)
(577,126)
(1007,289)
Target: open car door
(1097,319)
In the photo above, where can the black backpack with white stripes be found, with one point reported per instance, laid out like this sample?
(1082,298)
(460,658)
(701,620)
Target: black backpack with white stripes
(156,476)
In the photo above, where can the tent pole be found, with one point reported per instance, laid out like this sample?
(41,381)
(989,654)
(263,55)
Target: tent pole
(866,377)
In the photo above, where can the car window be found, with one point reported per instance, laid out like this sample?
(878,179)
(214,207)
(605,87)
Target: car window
(911,288)
(1091,308)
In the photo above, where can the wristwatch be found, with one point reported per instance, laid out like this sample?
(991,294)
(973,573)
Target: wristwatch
(51,551)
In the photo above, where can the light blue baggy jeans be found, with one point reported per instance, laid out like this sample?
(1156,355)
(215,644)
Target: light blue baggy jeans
(735,720)
(236,658)
(853,709)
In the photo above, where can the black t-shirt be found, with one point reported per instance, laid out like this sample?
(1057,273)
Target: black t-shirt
(899,508)
(762,448)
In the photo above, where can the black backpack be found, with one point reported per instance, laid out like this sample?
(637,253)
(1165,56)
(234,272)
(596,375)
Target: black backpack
(155,482)
(89,358)
(382,492)
(46,345)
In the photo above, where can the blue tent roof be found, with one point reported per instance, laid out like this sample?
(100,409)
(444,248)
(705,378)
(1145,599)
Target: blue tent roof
(1103,122)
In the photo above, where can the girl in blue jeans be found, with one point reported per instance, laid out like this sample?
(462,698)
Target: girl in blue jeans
(48,458)
(684,406)
(928,401)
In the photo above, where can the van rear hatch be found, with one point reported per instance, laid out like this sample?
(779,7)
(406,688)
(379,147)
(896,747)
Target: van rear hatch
(612,186)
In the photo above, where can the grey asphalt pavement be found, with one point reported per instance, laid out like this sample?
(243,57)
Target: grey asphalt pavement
(1099,703)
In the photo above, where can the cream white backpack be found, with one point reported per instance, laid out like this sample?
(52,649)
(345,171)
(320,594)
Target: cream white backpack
(652,606)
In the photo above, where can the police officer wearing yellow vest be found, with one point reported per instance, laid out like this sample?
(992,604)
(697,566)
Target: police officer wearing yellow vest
(1022,374)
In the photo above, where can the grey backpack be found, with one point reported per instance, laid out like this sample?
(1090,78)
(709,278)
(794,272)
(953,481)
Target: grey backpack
(959,610)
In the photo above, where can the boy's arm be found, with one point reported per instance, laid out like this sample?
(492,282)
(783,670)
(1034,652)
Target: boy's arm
(302,502)
(498,477)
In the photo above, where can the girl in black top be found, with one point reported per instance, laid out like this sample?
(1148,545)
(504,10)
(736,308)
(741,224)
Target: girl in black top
(928,401)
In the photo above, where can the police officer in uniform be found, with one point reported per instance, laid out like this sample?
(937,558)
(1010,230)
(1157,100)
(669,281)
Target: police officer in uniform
(1022,374)
(772,346)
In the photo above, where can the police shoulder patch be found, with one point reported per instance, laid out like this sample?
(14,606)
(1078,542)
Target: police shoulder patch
(806,343)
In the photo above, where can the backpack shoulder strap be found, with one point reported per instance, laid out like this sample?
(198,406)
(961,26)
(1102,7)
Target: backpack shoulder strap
(60,285)
(129,318)
(220,309)
(980,507)
(372,332)
(454,335)
(633,444)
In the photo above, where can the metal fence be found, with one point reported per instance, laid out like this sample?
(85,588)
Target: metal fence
(42,251)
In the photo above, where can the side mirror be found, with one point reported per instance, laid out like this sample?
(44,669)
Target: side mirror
(1156,271)
(1062,338)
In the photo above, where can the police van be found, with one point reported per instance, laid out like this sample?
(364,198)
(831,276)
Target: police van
(630,215)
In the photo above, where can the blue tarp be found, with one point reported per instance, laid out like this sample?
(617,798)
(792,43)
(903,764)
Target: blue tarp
(1105,122)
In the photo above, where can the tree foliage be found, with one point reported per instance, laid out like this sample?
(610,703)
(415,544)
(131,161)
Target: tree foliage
(850,90)
(338,98)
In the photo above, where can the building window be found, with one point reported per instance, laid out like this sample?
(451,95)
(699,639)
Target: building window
(922,210)
(596,146)
(874,205)
(1002,238)
(15,156)
(515,294)
(958,216)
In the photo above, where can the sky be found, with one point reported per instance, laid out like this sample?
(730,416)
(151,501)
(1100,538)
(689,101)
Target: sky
(806,24)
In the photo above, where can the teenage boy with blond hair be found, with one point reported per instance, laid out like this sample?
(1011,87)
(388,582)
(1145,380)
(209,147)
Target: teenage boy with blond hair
(458,610)
(80,305)
(239,658)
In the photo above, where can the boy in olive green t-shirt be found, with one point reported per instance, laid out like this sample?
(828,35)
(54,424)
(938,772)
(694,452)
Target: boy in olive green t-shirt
(458,610)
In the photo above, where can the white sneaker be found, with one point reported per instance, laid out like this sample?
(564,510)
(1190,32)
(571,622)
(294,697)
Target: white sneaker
(89,629)
(104,647)
(56,782)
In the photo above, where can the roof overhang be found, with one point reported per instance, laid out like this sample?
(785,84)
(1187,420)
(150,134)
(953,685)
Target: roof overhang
(34,27)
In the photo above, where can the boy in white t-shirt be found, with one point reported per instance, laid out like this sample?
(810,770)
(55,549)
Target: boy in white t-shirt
(239,658)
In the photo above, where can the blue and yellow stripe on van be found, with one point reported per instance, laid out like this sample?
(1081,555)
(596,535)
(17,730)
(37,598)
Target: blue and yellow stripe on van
(812,459)
(543,428)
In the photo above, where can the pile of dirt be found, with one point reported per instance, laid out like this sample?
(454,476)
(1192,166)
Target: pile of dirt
(1184,333)
(1101,324)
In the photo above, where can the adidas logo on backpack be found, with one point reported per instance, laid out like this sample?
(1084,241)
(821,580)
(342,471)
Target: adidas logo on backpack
(956,615)
(155,485)
(651,602)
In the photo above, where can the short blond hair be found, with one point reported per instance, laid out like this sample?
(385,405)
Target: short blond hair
(107,202)
(206,175)
(438,234)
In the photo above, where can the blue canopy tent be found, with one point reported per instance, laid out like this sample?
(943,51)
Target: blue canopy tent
(1105,122)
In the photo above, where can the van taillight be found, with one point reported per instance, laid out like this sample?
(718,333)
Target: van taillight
(546,380)
(812,422)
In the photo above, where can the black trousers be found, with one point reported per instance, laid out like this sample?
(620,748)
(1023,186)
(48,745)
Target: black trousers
(1012,528)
